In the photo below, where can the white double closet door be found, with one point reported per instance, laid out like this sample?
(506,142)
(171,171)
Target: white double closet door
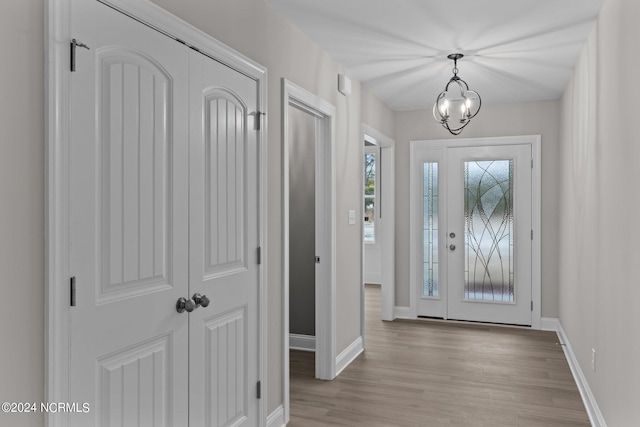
(163,205)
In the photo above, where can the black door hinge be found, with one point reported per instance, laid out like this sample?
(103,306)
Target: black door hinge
(72,291)
(258,120)
(72,57)
(259,390)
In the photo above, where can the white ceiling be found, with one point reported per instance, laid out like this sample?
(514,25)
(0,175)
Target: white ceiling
(515,50)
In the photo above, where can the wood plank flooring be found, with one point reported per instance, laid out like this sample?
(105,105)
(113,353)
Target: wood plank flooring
(433,373)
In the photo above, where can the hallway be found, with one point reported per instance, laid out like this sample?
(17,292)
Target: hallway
(433,373)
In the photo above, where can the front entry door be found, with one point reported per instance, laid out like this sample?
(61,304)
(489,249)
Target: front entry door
(488,240)
(476,247)
(163,205)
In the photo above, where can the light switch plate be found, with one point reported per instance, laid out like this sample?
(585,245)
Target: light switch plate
(352,217)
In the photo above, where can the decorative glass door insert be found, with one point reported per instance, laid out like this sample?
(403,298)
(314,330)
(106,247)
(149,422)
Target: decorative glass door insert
(430,230)
(488,230)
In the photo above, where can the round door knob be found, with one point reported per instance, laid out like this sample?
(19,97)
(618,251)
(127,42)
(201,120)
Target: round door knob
(452,235)
(201,300)
(184,304)
(452,247)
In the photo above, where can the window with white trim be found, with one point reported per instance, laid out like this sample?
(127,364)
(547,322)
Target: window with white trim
(370,193)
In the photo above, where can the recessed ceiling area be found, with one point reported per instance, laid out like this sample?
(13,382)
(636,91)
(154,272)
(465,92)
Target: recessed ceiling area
(515,50)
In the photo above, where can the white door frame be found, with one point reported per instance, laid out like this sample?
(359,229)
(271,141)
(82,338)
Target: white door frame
(293,95)
(387,237)
(57,128)
(536,215)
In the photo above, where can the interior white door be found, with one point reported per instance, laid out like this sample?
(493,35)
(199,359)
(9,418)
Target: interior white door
(128,217)
(474,249)
(163,205)
(488,234)
(223,230)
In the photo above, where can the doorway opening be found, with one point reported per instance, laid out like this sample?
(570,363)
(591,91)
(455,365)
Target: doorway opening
(302,229)
(309,277)
(378,263)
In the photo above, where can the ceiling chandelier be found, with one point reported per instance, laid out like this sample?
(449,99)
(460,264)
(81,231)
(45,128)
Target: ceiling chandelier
(455,108)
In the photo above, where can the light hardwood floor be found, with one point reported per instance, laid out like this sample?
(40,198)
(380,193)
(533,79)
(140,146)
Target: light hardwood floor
(433,373)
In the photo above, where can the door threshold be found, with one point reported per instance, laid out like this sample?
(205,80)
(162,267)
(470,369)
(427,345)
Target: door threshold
(470,322)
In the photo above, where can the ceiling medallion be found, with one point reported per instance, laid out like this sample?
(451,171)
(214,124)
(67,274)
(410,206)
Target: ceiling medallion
(455,108)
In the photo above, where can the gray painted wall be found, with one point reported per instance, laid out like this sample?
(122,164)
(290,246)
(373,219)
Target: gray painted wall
(22,207)
(598,213)
(302,220)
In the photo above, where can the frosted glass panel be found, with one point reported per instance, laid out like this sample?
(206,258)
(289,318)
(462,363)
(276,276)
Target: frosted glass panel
(488,216)
(430,230)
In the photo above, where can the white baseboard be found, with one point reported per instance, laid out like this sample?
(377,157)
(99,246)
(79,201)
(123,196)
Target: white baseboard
(276,418)
(302,342)
(549,324)
(595,416)
(402,312)
(348,355)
